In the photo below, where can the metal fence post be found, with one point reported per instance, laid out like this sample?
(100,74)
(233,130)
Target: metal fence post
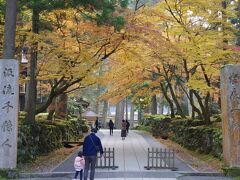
(148,154)
(173,158)
(113,158)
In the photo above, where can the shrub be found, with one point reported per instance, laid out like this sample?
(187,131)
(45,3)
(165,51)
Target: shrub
(143,128)
(160,127)
(203,139)
(192,134)
(188,122)
(46,136)
(148,118)
(85,128)
(41,116)
(232,171)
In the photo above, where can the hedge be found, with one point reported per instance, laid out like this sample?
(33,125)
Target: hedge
(203,139)
(191,134)
(46,136)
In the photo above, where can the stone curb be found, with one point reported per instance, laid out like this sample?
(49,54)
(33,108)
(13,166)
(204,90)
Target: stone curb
(69,174)
(68,157)
(45,175)
(184,173)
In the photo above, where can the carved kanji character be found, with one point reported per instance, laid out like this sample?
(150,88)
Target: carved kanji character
(8,72)
(6,143)
(7,126)
(8,90)
(7,106)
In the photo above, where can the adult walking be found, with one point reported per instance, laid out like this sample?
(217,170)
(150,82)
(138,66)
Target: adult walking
(97,124)
(128,125)
(111,126)
(91,146)
(124,129)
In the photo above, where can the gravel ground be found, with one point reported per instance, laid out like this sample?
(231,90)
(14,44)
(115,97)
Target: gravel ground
(194,162)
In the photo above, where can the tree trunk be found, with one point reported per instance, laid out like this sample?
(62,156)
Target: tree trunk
(50,114)
(207,113)
(32,86)
(61,106)
(97,107)
(160,106)
(80,111)
(194,108)
(119,114)
(164,91)
(154,104)
(140,115)
(204,106)
(10,29)
(126,109)
(98,92)
(191,101)
(131,115)
(174,97)
(105,112)
(51,109)
(185,104)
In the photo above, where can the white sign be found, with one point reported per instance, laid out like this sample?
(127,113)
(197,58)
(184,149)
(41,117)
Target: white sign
(9,97)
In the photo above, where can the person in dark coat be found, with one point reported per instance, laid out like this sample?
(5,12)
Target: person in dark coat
(97,124)
(124,129)
(91,145)
(128,125)
(111,126)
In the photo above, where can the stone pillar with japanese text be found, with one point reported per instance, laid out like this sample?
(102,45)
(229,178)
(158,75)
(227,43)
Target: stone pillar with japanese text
(230,107)
(9,87)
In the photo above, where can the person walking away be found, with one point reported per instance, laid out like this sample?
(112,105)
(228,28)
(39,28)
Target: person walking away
(79,164)
(128,125)
(123,129)
(96,124)
(111,126)
(91,146)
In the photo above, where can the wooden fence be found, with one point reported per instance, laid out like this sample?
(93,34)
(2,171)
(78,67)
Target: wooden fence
(107,160)
(160,158)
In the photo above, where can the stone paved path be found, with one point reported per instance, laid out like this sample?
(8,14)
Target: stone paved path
(131,153)
(131,157)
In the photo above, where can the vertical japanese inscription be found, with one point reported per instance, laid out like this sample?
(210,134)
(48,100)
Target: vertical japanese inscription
(230,106)
(8,112)
(234,80)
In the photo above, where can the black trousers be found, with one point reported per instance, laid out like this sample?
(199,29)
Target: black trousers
(76,174)
(111,131)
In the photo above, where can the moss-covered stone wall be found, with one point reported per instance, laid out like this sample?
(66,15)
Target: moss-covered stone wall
(46,136)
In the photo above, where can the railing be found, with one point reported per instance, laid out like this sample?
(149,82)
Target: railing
(160,158)
(107,160)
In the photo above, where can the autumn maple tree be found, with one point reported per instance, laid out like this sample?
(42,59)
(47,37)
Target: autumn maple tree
(175,48)
(101,12)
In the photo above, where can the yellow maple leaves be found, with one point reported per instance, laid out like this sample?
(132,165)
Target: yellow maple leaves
(186,35)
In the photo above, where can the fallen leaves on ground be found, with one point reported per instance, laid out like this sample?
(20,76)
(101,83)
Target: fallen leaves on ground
(200,162)
(48,162)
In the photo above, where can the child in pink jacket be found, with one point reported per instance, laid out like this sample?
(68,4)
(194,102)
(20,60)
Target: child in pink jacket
(79,164)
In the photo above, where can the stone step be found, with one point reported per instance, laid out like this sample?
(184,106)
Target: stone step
(117,174)
(120,174)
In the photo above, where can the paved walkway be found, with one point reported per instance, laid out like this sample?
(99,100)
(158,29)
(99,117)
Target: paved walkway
(131,153)
(131,157)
